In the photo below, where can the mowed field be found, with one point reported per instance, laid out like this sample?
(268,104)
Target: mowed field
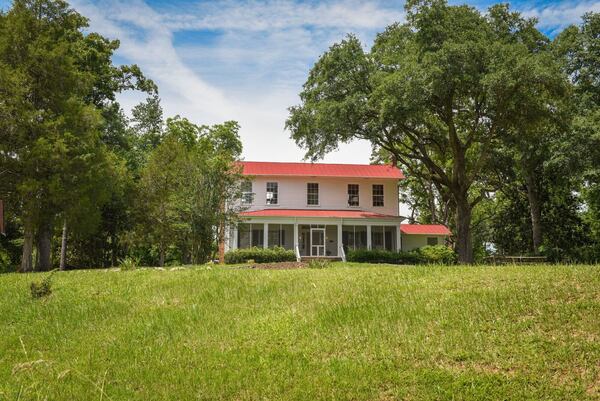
(347,332)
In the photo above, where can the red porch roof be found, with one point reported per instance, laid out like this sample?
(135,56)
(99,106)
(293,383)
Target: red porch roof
(425,229)
(349,214)
(321,170)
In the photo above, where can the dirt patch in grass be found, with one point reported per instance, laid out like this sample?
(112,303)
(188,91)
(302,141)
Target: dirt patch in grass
(278,265)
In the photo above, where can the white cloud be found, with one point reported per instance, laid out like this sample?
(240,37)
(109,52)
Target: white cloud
(279,60)
(558,16)
(277,14)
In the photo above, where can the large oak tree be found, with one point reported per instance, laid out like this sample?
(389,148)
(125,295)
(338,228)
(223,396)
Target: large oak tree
(438,92)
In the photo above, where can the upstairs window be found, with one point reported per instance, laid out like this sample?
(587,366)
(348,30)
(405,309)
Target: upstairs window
(352,194)
(377,195)
(272,193)
(247,194)
(312,194)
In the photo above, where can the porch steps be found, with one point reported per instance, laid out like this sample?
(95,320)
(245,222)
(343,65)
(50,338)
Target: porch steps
(331,258)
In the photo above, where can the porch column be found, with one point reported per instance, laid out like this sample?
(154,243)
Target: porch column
(265,235)
(398,240)
(339,238)
(368,236)
(295,235)
(235,237)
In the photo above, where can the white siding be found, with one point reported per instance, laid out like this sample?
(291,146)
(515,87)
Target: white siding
(333,194)
(414,241)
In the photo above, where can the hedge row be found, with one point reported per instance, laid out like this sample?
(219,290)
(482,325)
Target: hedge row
(260,255)
(438,254)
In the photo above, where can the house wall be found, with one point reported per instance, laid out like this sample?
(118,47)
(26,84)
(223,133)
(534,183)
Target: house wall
(333,194)
(410,242)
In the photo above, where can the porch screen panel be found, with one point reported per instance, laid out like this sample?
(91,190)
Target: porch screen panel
(360,237)
(304,239)
(377,237)
(390,238)
(274,235)
(244,235)
(354,237)
(287,236)
(348,237)
(258,238)
(281,235)
(331,241)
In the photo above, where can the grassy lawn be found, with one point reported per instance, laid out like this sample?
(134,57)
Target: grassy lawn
(349,332)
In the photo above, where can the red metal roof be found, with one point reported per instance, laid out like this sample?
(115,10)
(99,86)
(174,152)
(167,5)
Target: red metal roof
(321,170)
(426,229)
(349,214)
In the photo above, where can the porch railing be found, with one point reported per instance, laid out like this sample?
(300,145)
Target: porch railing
(342,253)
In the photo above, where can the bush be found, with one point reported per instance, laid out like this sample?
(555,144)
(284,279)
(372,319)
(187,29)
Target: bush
(260,255)
(437,254)
(128,263)
(43,288)
(382,256)
(5,262)
(318,263)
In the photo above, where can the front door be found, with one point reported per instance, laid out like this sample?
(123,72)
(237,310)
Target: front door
(317,242)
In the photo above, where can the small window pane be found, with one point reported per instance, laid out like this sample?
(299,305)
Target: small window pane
(353,195)
(432,241)
(272,193)
(377,195)
(312,194)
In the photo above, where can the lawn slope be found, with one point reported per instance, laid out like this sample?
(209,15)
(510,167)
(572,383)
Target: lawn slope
(349,332)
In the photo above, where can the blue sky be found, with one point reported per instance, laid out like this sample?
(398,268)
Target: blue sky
(247,60)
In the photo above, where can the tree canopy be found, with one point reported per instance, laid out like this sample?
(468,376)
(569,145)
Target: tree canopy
(439,93)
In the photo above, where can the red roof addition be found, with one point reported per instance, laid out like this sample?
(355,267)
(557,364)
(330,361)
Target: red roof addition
(346,214)
(321,170)
(425,229)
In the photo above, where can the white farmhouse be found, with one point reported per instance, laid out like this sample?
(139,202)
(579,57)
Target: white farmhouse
(322,210)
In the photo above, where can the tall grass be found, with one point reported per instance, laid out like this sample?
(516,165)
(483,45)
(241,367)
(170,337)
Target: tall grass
(349,332)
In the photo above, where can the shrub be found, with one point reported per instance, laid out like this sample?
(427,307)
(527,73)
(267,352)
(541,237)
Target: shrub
(260,255)
(383,256)
(43,288)
(5,262)
(437,254)
(128,263)
(318,263)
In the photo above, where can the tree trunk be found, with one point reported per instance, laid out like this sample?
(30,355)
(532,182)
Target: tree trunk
(44,246)
(535,207)
(161,257)
(63,246)
(27,258)
(464,243)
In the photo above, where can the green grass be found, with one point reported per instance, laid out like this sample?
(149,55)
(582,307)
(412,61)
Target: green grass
(349,332)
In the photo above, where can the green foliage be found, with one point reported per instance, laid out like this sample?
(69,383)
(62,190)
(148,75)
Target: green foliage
(319,263)
(43,288)
(383,256)
(260,255)
(423,90)
(129,263)
(5,262)
(185,184)
(437,254)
